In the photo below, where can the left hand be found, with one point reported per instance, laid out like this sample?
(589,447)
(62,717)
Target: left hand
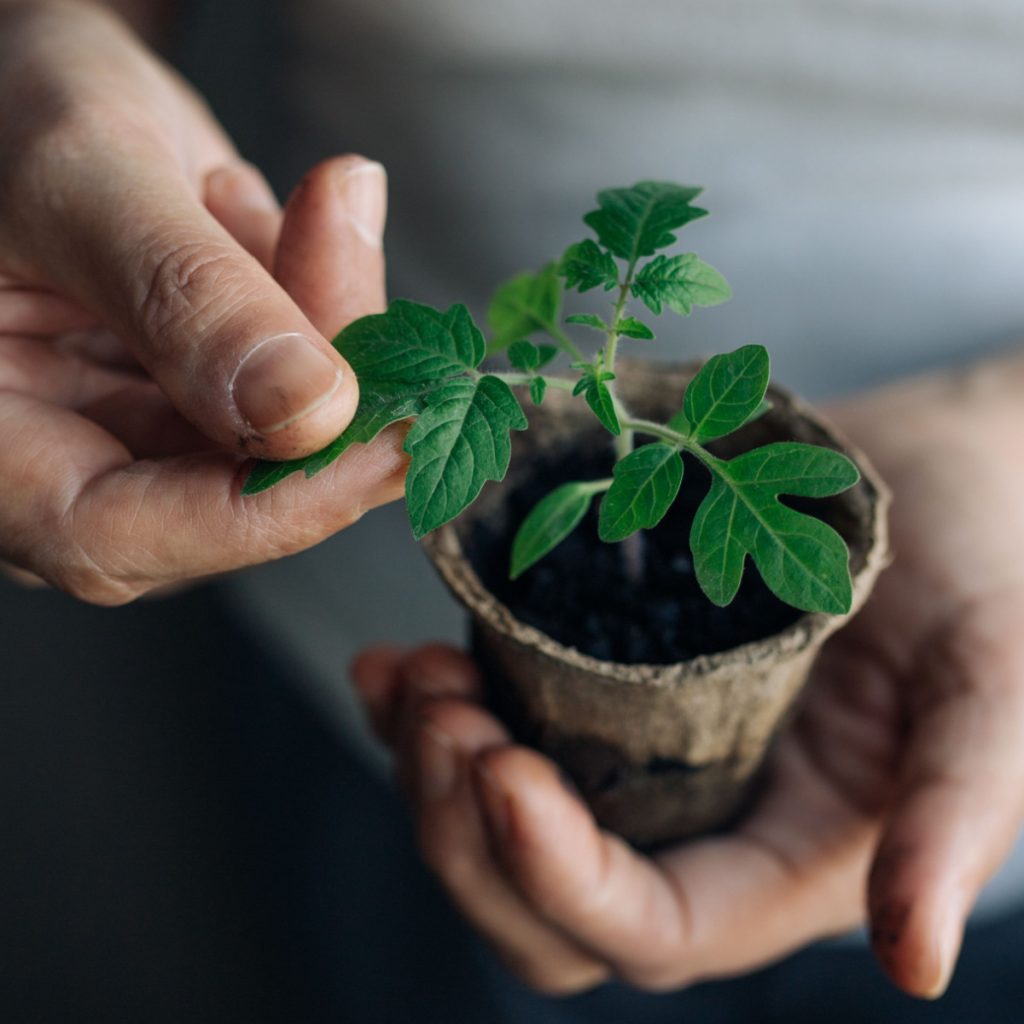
(894,796)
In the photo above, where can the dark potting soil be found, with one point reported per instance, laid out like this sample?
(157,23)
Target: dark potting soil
(580,593)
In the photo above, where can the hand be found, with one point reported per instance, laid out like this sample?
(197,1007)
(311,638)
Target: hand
(145,346)
(894,796)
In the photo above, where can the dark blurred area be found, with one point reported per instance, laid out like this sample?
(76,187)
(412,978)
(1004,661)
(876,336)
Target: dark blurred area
(186,839)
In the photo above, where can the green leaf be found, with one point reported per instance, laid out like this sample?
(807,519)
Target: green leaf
(637,221)
(679,423)
(630,327)
(588,320)
(412,343)
(592,386)
(526,356)
(586,265)
(680,282)
(550,521)
(526,304)
(803,561)
(379,406)
(726,392)
(645,483)
(458,443)
(537,388)
(399,357)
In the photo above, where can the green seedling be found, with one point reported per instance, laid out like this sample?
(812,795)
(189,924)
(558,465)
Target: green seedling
(417,362)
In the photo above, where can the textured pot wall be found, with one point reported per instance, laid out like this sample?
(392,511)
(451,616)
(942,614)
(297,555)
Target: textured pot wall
(659,751)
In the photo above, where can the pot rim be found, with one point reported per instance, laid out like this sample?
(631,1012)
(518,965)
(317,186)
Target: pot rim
(444,547)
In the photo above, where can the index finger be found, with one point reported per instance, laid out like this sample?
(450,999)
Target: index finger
(82,514)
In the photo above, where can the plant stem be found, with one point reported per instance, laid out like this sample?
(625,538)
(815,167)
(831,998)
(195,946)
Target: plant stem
(674,438)
(517,379)
(620,305)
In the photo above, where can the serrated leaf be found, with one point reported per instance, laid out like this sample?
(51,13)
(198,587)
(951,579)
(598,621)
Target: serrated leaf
(412,343)
(588,320)
(644,485)
(550,521)
(526,356)
(726,392)
(586,265)
(526,304)
(803,561)
(537,388)
(459,442)
(637,221)
(399,357)
(680,282)
(630,327)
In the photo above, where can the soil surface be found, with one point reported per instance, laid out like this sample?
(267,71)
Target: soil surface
(580,593)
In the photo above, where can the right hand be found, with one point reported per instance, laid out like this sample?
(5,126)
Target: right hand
(145,345)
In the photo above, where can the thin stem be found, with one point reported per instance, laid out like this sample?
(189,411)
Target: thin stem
(673,437)
(517,379)
(657,430)
(620,305)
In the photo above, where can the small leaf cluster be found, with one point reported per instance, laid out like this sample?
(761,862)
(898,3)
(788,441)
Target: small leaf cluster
(413,361)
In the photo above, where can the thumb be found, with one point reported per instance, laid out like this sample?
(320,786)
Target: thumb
(224,341)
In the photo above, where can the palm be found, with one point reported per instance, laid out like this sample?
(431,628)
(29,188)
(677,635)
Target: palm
(900,776)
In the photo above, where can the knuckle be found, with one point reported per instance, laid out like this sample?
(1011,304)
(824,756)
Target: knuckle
(192,283)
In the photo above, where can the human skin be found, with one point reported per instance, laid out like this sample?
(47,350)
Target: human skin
(894,796)
(161,320)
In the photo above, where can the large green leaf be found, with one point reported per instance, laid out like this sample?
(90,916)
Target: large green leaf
(586,265)
(727,391)
(645,483)
(550,521)
(458,443)
(637,221)
(803,561)
(525,305)
(399,358)
(680,282)
(412,343)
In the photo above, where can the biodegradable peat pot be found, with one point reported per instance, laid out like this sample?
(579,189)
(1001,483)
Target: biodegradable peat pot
(659,751)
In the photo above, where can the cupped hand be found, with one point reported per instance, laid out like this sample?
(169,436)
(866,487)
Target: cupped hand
(896,793)
(161,320)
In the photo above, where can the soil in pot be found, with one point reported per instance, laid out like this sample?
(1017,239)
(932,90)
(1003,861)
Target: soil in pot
(584,596)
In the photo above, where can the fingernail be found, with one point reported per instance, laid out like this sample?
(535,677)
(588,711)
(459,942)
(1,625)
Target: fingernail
(364,190)
(495,801)
(438,763)
(950,936)
(282,380)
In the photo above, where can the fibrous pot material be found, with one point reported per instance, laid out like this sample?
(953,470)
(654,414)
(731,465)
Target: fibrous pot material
(660,752)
